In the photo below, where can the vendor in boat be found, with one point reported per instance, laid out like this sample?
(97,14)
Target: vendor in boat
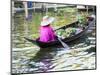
(47,33)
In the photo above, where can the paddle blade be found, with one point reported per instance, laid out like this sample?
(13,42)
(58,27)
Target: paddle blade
(64,44)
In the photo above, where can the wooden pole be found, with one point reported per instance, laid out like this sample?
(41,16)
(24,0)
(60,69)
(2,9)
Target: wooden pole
(13,11)
(77,12)
(34,7)
(26,9)
(46,5)
(26,16)
(13,27)
(55,9)
(87,9)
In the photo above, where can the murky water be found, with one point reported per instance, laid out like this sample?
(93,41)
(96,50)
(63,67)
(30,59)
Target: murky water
(80,56)
(28,58)
(22,28)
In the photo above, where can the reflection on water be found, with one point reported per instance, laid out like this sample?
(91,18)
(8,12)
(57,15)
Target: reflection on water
(43,59)
(23,28)
(80,56)
(30,60)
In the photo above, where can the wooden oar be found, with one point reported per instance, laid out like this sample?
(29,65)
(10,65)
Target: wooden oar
(64,44)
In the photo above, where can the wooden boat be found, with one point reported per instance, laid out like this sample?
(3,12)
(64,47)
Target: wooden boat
(67,40)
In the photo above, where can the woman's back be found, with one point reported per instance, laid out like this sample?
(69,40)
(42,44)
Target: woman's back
(46,34)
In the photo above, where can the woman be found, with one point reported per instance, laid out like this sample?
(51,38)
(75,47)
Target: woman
(46,32)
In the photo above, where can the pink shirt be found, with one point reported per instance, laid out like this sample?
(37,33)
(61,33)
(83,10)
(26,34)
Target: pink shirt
(47,34)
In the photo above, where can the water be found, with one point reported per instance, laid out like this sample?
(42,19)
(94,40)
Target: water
(80,56)
(28,58)
(22,28)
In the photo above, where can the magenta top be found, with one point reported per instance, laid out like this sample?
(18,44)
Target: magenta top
(47,34)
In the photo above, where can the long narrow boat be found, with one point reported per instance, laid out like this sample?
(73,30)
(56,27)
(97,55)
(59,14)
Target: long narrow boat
(67,40)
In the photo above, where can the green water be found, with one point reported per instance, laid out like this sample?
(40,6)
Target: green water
(23,28)
(30,60)
(80,56)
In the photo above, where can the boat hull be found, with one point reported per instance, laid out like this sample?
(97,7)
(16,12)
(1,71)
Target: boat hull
(66,40)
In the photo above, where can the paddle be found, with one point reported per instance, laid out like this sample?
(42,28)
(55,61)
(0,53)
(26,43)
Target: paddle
(64,44)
